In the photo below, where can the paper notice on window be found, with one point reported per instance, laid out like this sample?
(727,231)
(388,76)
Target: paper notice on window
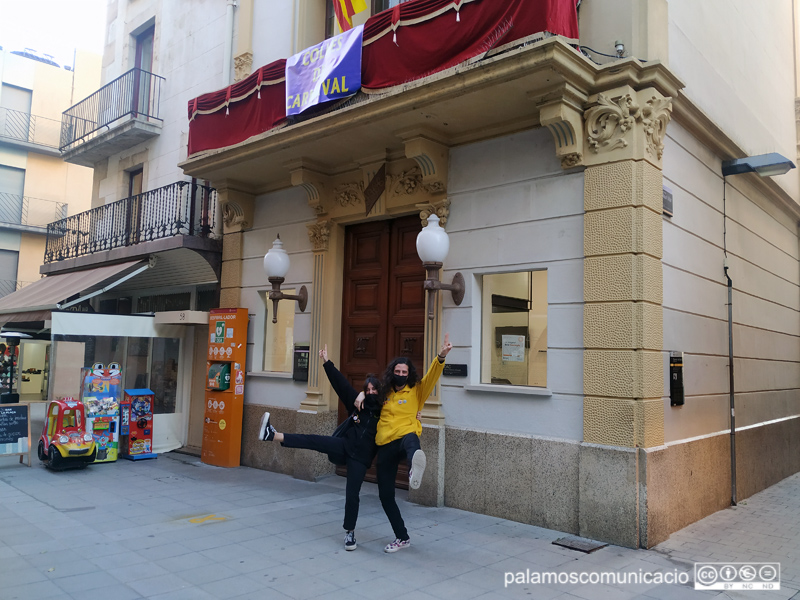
(514,348)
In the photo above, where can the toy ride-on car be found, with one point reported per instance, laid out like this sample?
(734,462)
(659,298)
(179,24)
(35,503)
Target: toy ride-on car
(65,440)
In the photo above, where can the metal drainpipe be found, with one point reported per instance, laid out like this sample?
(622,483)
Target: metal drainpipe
(730,373)
(730,347)
(228,47)
(295,26)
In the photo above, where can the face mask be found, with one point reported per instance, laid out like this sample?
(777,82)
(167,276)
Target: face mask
(371,401)
(399,380)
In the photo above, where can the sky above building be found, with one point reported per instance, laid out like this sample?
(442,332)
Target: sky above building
(54,27)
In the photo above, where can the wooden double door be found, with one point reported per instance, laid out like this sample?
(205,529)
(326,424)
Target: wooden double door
(383,308)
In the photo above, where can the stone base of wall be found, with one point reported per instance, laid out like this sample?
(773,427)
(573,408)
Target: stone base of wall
(689,481)
(608,503)
(531,480)
(270,456)
(625,496)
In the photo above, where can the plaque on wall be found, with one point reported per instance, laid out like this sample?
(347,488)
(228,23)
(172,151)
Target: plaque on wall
(454,370)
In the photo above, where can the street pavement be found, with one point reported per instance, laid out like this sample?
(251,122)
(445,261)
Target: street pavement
(175,528)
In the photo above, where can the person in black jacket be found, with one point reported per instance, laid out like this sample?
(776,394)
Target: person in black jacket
(355,448)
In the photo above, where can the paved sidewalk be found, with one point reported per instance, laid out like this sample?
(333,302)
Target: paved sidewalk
(175,528)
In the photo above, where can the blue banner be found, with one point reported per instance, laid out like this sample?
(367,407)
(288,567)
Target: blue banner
(331,70)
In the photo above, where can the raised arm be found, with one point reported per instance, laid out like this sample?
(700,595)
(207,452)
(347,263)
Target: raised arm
(427,383)
(346,392)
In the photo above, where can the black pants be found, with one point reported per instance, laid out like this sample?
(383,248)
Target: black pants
(334,447)
(389,457)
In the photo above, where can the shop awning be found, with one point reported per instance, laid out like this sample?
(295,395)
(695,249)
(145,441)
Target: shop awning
(35,301)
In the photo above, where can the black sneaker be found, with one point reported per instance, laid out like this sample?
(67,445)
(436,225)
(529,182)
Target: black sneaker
(350,541)
(266,431)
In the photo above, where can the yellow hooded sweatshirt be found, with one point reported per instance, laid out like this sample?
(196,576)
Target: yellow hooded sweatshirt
(399,412)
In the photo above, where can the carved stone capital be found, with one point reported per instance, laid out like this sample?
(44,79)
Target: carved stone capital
(243,65)
(441,209)
(313,181)
(319,235)
(626,124)
(237,207)
(565,122)
(431,155)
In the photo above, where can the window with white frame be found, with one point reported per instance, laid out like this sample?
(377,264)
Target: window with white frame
(279,337)
(514,329)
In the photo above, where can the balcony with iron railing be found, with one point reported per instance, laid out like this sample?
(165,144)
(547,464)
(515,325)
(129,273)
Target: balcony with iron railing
(180,210)
(29,214)
(119,115)
(30,132)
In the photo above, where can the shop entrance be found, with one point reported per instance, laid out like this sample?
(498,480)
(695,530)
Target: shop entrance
(383,307)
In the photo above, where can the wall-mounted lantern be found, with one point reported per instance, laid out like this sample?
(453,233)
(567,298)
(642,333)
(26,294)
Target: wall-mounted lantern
(276,265)
(432,247)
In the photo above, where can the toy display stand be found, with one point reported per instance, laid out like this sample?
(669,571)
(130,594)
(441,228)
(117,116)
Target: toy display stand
(100,393)
(136,429)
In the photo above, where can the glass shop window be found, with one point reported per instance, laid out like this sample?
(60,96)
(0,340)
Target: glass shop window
(153,363)
(514,329)
(279,337)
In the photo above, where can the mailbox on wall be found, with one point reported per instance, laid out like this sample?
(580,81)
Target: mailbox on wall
(676,378)
(300,362)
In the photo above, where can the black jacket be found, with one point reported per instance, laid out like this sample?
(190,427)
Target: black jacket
(359,439)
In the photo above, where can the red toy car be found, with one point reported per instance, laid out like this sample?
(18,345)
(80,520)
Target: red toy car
(64,440)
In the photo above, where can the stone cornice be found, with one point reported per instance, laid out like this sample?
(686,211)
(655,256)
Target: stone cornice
(639,76)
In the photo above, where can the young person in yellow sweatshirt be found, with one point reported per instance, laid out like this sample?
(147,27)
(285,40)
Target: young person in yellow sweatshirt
(399,431)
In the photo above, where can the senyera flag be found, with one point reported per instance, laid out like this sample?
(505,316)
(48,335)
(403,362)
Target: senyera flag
(331,70)
(345,9)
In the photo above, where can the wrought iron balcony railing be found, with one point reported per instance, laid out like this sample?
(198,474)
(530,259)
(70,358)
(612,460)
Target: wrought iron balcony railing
(34,212)
(181,208)
(25,127)
(136,93)
(8,286)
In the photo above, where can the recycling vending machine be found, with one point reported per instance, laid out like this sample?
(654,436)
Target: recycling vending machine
(136,424)
(222,426)
(101,388)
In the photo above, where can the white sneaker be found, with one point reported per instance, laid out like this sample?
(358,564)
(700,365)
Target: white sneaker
(396,545)
(266,431)
(418,462)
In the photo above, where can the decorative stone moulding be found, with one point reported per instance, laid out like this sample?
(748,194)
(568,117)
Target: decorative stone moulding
(441,209)
(349,194)
(243,65)
(565,122)
(432,157)
(624,124)
(237,208)
(313,181)
(404,183)
(319,235)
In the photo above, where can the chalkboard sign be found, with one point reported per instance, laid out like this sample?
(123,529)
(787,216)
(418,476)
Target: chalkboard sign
(13,422)
(14,425)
